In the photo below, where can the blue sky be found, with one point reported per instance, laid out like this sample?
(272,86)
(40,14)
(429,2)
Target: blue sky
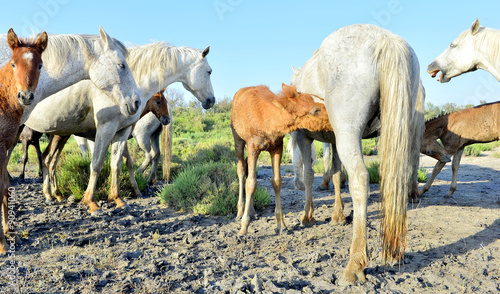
(256,42)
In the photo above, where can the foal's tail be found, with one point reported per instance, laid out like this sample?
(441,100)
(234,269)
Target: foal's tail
(399,85)
(166,143)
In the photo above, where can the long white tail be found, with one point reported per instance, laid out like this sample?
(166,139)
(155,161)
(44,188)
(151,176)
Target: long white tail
(399,84)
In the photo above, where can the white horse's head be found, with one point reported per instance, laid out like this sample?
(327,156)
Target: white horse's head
(463,55)
(197,80)
(111,74)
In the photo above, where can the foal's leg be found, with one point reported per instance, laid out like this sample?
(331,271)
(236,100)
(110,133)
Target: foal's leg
(144,143)
(241,168)
(437,169)
(338,210)
(47,157)
(305,146)
(454,167)
(36,144)
(250,185)
(276,181)
(24,159)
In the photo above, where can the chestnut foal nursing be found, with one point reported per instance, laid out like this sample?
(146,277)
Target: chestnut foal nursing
(260,119)
(18,81)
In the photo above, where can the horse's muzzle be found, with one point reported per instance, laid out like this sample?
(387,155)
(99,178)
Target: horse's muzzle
(209,102)
(25,97)
(165,120)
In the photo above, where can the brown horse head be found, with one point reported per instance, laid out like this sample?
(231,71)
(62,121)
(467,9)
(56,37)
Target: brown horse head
(310,114)
(26,64)
(159,107)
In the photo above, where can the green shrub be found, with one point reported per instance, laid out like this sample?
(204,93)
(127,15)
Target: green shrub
(373,171)
(476,149)
(208,188)
(74,172)
(422,175)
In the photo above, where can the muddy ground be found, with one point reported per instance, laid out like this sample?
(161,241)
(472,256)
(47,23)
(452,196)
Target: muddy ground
(453,244)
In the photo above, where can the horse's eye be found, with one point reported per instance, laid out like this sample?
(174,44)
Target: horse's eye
(210,72)
(13,65)
(121,65)
(158,103)
(40,67)
(453,45)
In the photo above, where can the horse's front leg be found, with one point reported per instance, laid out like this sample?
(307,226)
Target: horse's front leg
(60,142)
(241,169)
(327,166)
(3,205)
(155,153)
(104,135)
(305,146)
(119,149)
(437,169)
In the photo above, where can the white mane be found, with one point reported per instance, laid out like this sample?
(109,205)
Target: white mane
(145,60)
(61,48)
(485,39)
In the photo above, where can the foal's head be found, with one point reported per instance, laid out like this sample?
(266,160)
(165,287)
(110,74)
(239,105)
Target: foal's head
(159,107)
(26,64)
(308,113)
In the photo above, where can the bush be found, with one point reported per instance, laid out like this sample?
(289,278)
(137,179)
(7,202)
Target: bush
(373,171)
(208,188)
(74,172)
(422,175)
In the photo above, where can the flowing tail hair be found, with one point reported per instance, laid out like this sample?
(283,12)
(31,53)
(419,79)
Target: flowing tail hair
(399,85)
(166,145)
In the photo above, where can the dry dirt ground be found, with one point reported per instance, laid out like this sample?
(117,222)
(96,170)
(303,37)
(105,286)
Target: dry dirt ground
(453,244)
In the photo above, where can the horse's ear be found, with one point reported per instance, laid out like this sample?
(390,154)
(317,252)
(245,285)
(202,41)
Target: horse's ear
(289,91)
(163,90)
(41,43)
(475,27)
(12,39)
(205,51)
(294,69)
(106,39)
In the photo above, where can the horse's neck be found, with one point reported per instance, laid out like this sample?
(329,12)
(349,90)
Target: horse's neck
(489,60)
(52,81)
(8,102)
(163,77)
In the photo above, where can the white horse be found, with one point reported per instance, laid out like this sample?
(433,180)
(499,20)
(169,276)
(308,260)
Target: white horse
(363,71)
(147,132)
(69,59)
(475,48)
(84,110)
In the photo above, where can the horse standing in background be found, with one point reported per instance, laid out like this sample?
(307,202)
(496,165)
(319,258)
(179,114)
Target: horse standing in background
(457,130)
(18,82)
(362,72)
(30,137)
(259,120)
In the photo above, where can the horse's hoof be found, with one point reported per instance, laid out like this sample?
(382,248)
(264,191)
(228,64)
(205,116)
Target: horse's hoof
(307,222)
(96,213)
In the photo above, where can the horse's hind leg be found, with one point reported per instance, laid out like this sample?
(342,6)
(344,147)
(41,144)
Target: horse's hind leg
(338,212)
(327,164)
(276,181)
(305,146)
(36,144)
(454,167)
(144,143)
(54,159)
(130,167)
(437,169)
(24,159)
(155,153)
(117,150)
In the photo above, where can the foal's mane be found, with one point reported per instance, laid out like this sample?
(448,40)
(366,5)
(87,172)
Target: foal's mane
(146,59)
(60,48)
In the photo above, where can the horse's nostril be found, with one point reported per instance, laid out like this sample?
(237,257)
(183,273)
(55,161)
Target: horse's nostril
(137,103)
(18,95)
(31,96)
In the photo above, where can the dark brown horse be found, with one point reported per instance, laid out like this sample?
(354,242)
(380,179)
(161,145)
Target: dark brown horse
(18,81)
(260,119)
(457,130)
(30,137)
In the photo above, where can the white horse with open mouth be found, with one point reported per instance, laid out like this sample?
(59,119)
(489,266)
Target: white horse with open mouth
(475,48)
(364,71)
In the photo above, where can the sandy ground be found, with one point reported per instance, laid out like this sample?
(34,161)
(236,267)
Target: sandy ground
(453,244)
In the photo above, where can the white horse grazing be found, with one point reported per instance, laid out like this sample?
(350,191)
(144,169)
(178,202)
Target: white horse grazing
(477,47)
(363,71)
(69,59)
(86,111)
